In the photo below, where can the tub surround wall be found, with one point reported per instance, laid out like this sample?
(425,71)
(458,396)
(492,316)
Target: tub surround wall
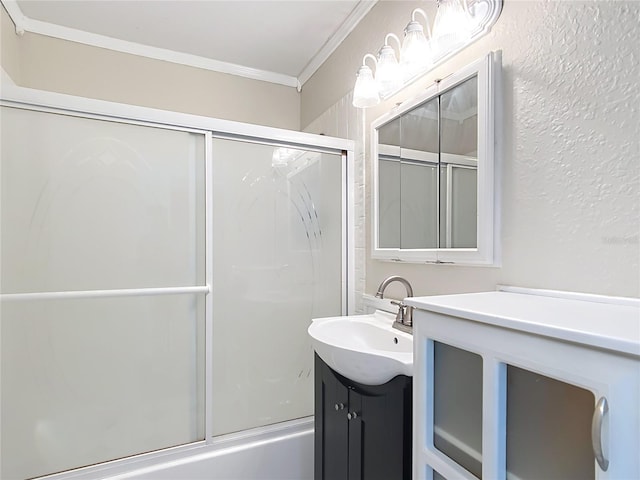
(571,123)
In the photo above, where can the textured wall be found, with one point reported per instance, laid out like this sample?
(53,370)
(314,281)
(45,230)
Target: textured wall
(570,139)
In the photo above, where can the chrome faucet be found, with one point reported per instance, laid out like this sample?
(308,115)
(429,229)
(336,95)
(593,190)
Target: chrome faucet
(404,318)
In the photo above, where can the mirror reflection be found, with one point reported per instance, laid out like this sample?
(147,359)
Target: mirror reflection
(427,173)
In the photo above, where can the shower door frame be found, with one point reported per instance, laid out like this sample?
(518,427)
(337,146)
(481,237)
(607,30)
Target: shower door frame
(55,103)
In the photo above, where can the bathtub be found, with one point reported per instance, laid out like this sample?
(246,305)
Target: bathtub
(279,452)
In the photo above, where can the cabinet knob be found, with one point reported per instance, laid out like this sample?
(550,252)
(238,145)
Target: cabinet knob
(339,406)
(352,415)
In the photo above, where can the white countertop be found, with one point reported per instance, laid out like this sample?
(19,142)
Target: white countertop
(610,326)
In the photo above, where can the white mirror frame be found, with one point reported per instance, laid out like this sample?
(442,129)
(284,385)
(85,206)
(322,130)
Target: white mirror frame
(487,251)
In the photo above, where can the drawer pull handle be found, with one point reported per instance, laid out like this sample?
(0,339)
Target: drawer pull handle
(596,432)
(352,415)
(339,406)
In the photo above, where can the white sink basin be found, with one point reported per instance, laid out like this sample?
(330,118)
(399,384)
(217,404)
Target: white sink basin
(363,348)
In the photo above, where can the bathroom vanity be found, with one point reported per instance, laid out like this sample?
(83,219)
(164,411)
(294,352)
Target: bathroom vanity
(363,394)
(361,431)
(524,384)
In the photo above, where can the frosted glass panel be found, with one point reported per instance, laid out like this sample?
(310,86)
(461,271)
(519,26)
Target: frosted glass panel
(548,428)
(457,406)
(86,381)
(89,204)
(277,264)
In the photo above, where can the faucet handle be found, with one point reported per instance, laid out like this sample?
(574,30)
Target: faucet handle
(401,308)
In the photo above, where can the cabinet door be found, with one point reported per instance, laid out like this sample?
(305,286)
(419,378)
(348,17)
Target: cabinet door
(331,424)
(362,432)
(380,436)
(548,428)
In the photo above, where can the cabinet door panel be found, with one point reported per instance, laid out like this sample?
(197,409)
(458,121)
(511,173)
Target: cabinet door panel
(357,437)
(457,430)
(548,428)
(386,430)
(375,443)
(331,425)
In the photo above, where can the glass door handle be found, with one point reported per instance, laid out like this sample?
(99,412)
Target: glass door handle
(596,432)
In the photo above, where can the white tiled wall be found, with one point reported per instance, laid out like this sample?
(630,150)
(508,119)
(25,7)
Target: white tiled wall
(345,121)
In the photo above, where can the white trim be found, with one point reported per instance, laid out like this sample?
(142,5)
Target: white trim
(348,226)
(122,292)
(486,253)
(208,307)
(585,297)
(25,24)
(458,160)
(11,95)
(15,14)
(357,14)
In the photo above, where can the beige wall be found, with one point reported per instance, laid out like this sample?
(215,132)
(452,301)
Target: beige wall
(45,63)
(337,75)
(570,170)
(9,47)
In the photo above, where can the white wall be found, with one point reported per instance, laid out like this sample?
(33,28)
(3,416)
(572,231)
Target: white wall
(570,138)
(45,63)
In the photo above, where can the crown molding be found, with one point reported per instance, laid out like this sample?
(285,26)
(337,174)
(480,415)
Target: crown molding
(16,15)
(25,24)
(358,13)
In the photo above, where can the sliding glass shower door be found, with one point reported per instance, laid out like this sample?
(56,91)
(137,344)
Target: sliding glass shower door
(277,241)
(156,284)
(103,287)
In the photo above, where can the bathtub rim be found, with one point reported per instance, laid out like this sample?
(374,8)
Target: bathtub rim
(123,468)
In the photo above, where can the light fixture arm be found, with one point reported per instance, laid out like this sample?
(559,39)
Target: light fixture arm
(369,55)
(426,19)
(395,37)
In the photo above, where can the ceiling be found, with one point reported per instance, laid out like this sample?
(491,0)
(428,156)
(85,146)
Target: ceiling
(279,41)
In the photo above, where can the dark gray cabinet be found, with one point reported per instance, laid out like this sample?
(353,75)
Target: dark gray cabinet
(361,431)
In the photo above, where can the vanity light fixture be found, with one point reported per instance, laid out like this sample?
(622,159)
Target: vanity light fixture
(452,26)
(388,70)
(415,55)
(457,24)
(366,92)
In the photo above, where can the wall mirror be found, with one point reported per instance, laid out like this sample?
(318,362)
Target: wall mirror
(434,167)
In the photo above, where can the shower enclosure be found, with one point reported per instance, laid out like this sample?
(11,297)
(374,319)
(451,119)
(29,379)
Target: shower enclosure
(158,275)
